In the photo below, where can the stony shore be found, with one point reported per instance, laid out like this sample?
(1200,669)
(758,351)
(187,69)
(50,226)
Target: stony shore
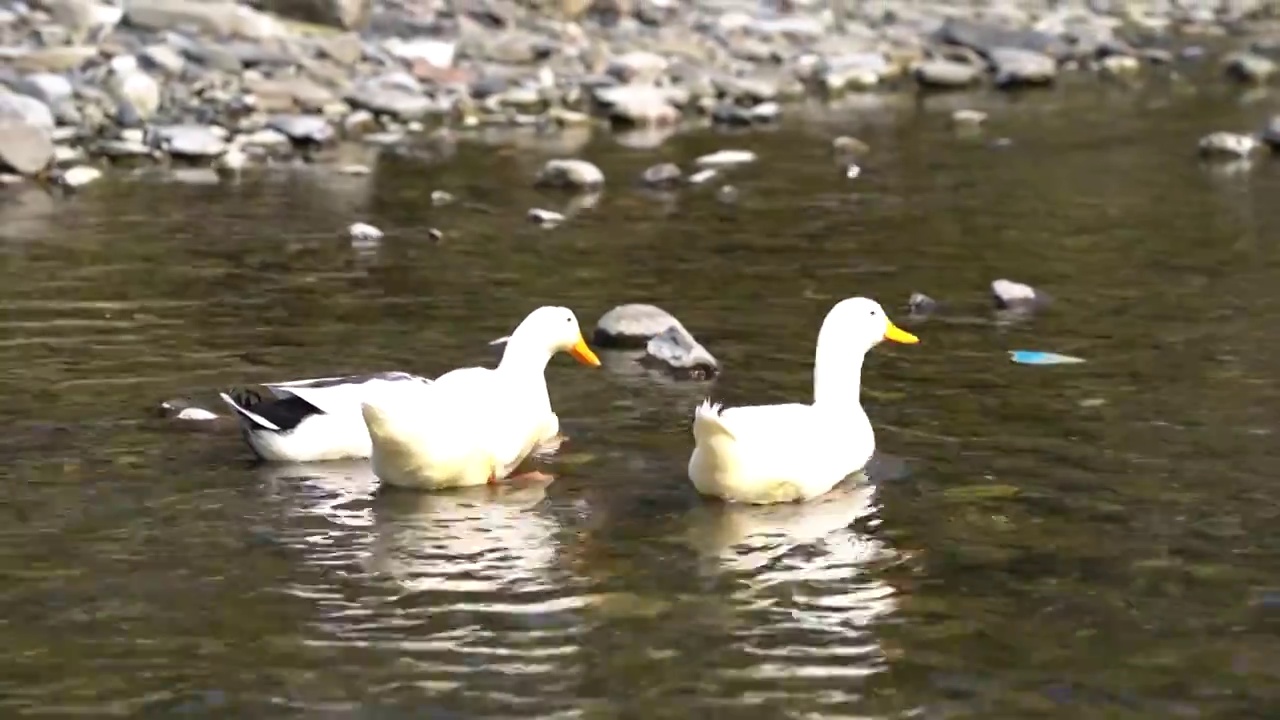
(232,85)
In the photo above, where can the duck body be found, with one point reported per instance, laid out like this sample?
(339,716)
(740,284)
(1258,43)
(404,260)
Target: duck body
(795,452)
(315,419)
(776,453)
(475,425)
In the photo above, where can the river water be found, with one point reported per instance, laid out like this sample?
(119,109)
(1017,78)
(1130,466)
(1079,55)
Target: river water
(1079,541)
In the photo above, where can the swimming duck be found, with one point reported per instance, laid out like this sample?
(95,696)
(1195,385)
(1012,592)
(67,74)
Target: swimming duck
(793,452)
(315,419)
(476,425)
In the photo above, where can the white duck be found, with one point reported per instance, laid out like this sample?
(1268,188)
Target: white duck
(476,425)
(315,419)
(782,453)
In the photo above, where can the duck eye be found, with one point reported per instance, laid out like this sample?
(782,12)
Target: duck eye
(873,313)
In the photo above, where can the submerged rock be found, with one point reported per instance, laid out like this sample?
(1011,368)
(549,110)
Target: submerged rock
(726,158)
(544,218)
(920,304)
(1010,295)
(631,325)
(1227,145)
(180,409)
(662,175)
(676,350)
(1249,68)
(577,174)
(364,232)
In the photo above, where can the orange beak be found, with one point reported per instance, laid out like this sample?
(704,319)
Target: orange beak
(899,335)
(583,354)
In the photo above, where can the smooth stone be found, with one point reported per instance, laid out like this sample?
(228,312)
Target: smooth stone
(570,173)
(676,350)
(637,104)
(1228,144)
(26,134)
(396,101)
(303,128)
(726,158)
(122,148)
(984,37)
(189,141)
(1010,295)
(945,74)
(545,218)
(364,232)
(921,304)
(632,325)
(661,175)
(180,409)
(79,176)
(1016,67)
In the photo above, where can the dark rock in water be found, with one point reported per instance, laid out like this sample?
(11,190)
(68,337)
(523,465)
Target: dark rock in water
(921,304)
(662,175)
(632,325)
(675,350)
(1010,295)
(180,409)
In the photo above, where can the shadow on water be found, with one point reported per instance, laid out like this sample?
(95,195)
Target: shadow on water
(1094,540)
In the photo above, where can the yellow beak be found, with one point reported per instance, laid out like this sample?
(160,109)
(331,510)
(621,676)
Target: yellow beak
(583,354)
(899,335)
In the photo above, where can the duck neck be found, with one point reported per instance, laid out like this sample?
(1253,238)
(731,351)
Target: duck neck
(837,380)
(523,356)
(837,370)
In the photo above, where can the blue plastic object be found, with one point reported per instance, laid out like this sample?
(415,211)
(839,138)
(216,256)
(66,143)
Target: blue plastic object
(1038,357)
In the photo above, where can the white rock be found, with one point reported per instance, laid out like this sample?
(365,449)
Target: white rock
(726,158)
(364,232)
(570,173)
(545,218)
(79,176)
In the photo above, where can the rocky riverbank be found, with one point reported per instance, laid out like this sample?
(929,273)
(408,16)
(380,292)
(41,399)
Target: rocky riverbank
(91,84)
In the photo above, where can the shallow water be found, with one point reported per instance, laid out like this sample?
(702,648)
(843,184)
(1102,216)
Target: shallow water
(1093,540)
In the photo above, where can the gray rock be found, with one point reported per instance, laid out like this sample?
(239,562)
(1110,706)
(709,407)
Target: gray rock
(79,176)
(26,134)
(921,304)
(122,148)
(945,74)
(984,37)
(1228,145)
(164,58)
(567,173)
(676,350)
(303,129)
(632,325)
(1016,67)
(131,85)
(189,141)
(637,105)
(393,100)
(661,175)
(1010,295)
(49,88)
(640,67)
(1247,67)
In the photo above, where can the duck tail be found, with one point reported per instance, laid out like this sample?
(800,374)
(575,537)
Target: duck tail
(708,426)
(253,419)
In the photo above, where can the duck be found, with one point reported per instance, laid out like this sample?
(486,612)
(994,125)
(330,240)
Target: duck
(795,452)
(476,425)
(314,419)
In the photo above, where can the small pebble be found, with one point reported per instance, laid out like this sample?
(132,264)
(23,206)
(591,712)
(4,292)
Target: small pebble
(702,176)
(545,218)
(968,118)
(355,169)
(727,194)
(440,197)
(852,172)
(435,235)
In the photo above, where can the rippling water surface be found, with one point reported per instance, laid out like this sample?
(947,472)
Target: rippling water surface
(1086,541)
